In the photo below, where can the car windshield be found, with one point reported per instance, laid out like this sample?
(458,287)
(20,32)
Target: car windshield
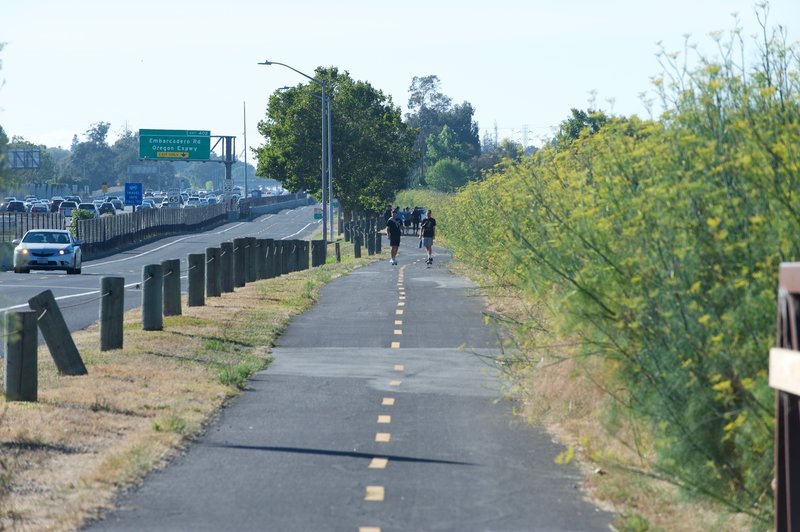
(37,237)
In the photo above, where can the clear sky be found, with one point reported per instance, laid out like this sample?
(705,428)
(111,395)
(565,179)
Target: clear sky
(193,64)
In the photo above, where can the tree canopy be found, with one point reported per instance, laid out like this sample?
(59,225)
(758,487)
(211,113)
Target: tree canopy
(372,147)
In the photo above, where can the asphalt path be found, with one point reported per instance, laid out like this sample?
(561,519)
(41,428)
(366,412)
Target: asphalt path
(383,410)
(78,295)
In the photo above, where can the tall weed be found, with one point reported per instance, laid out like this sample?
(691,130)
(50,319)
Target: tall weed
(657,243)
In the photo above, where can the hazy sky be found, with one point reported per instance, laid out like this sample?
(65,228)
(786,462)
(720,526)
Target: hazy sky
(193,64)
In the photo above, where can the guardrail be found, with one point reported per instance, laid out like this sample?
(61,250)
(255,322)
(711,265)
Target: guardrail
(106,233)
(784,376)
(15,224)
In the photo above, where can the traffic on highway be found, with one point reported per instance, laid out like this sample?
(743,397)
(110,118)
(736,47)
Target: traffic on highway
(80,293)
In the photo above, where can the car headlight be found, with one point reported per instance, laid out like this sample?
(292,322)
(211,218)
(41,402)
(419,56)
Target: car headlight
(24,251)
(62,251)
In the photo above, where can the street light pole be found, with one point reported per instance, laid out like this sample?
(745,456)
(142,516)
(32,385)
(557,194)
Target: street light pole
(324,188)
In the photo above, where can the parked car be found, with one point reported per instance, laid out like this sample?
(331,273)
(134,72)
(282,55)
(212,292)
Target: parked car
(66,208)
(91,207)
(107,208)
(47,249)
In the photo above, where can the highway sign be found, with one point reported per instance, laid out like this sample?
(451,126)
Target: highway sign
(133,193)
(174,144)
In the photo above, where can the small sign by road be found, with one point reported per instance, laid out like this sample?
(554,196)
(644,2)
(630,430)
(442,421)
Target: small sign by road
(133,193)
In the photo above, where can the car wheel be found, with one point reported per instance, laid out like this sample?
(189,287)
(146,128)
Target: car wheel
(22,270)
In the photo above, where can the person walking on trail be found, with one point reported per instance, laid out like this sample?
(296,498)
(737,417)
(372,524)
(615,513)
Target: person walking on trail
(393,230)
(427,232)
(416,216)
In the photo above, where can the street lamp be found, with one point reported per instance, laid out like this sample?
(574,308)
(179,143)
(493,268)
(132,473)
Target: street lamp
(324,191)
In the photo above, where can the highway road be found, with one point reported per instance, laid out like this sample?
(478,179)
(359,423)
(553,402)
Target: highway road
(80,293)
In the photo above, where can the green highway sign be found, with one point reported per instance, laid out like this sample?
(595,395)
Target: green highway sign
(174,144)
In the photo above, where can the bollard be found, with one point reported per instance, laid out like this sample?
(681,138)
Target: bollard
(378,237)
(285,249)
(112,311)
(338,251)
(368,236)
(56,334)
(293,255)
(250,253)
(269,255)
(356,245)
(316,253)
(213,265)
(347,231)
(226,267)
(306,254)
(152,297)
(21,379)
(197,280)
(238,262)
(171,269)
(261,259)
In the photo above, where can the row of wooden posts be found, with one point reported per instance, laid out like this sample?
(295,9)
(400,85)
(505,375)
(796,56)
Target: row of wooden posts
(210,274)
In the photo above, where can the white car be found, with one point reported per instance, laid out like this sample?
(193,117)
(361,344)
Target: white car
(91,207)
(47,249)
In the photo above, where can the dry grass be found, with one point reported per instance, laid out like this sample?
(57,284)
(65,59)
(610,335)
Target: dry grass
(570,397)
(63,458)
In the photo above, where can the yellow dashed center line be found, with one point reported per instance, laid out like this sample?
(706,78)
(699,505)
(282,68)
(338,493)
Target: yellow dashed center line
(374,494)
(398,332)
(401,304)
(398,322)
(399,367)
(378,463)
(383,437)
(384,419)
(395,345)
(399,312)
(387,401)
(395,382)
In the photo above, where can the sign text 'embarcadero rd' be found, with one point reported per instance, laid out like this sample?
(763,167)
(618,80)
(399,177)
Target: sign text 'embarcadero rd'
(175,144)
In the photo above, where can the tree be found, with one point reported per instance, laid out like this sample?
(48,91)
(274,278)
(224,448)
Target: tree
(429,112)
(445,145)
(91,162)
(580,122)
(372,147)
(448,175)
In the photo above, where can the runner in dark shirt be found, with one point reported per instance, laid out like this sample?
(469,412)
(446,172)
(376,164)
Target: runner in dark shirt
(393,230)
(427,232)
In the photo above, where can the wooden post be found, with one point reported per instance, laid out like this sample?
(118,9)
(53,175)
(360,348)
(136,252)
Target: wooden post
(21,379)
(250,252)
(271,266)
(316,246)
(226,266)
(347,231)
(56,334)
(152,297)
(285,249)
(238,262)
(213,264)
(172,286)
(261,258)
(197,280)
(112,311)
(338,252)
(357,245)
(378,242)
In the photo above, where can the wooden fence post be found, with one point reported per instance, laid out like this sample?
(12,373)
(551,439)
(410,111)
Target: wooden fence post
(172,286)
(338,251)
(152,297)
(213,265)
(21,378)
(238,262)
(56,334)
(197,280)
(226,266)
(112,311)
(250,259)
